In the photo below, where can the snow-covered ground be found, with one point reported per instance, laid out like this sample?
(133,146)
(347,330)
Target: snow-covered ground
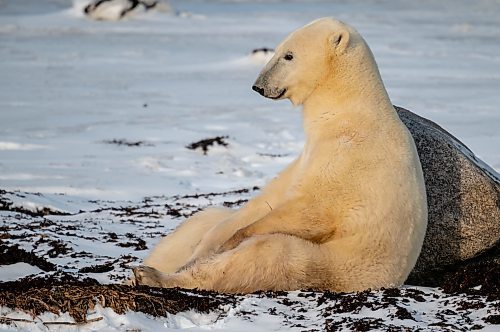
(72,89)
(102,239)
(69,84)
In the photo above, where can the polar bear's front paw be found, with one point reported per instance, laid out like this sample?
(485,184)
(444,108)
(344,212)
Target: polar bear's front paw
(145,275)
(235,240)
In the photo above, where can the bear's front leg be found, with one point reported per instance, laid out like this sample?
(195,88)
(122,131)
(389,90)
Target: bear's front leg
(235,240)
(292,218)
(218,235)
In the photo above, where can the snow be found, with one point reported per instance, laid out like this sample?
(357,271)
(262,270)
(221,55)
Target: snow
(17,271)
(18,146)
(257,313)
(71,85)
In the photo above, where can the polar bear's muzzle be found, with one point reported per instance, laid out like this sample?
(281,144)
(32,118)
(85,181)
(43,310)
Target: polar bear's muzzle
(280,95)
(269,83)
(275,95)
(259,90)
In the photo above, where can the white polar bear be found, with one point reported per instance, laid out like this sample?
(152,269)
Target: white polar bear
(350,213)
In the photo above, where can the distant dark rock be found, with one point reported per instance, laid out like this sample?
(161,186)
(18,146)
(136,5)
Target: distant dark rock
(463,196)
(112,10)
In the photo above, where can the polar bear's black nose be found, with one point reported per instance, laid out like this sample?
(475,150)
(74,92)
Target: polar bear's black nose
(259,90)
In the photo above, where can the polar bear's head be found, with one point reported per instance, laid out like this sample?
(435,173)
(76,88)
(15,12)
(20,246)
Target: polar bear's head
(304,59)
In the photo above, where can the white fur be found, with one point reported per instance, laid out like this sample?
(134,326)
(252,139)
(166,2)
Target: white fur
(350,213)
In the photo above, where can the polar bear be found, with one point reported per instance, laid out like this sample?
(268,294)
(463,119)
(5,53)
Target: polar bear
(349,214)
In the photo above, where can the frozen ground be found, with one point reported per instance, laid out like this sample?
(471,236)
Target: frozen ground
(70,88)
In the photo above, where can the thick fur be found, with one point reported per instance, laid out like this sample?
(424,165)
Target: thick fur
(350,213)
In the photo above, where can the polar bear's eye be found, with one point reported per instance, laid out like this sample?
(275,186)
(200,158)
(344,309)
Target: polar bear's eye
(288,57)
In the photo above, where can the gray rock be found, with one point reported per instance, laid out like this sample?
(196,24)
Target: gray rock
(463,196)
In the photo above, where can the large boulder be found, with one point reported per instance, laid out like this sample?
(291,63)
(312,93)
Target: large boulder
(463,196)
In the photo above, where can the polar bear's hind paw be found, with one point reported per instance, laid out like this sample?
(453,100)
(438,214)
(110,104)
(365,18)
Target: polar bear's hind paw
(148,276)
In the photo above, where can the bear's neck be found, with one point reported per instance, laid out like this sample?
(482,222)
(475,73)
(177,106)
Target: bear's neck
(357,90)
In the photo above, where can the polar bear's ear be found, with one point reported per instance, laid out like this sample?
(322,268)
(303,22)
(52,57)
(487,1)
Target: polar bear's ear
(339,40)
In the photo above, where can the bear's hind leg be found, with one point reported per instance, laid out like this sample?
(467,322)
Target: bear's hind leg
(264,262)
(174,250)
